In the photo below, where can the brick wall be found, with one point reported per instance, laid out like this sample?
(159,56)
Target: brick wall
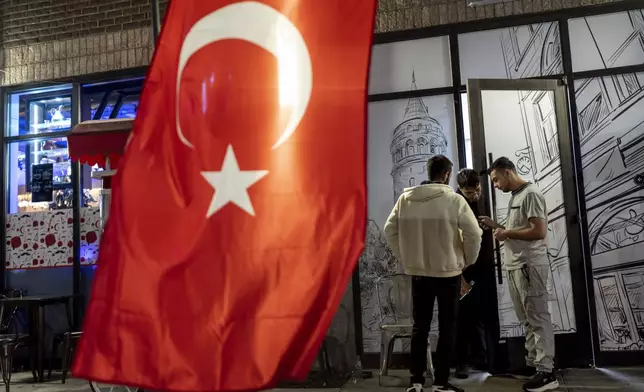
(50,39)
(396,15)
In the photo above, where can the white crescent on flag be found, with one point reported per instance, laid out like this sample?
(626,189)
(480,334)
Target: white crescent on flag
(269,29)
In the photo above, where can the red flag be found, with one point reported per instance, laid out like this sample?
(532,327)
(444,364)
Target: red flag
(239,212)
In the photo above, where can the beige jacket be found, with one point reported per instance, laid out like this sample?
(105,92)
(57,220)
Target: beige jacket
(433,232)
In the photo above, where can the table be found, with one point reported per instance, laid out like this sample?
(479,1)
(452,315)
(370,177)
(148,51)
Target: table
(36,308)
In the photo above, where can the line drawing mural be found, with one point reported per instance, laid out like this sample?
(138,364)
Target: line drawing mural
(512,52)
(607,41)
(417,134)
(416,139)
(611,125)
(612,141)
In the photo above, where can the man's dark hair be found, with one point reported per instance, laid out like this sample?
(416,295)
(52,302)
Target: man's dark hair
(468,178)
(502,163)
(438,166)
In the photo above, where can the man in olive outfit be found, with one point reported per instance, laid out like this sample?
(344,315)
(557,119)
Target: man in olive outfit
(526,260)
(434,234)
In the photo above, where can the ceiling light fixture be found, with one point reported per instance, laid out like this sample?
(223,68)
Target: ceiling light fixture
(478,3)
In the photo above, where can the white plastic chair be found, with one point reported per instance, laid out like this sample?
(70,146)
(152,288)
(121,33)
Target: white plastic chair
(396,318)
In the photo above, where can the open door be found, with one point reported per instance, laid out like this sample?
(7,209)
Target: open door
(527,121)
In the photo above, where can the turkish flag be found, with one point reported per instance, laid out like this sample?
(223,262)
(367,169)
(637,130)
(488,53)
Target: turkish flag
(239,209)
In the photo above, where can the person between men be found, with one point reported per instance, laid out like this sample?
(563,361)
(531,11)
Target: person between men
(434,234)
(471,337)
(526,259)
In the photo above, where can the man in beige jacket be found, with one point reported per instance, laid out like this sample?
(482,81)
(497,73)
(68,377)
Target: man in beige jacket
(435,235)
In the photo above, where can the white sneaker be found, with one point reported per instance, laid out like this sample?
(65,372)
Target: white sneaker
(415,388)
(447,388)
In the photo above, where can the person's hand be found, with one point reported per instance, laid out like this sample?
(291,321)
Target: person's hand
(487,222)
(501,234)
(465,287)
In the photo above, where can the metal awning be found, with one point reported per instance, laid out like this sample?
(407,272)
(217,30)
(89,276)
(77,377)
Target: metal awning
(94,141)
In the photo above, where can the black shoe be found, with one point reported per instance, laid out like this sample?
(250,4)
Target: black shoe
(462,372)
(541,382)
(524,374)
(415,388)
(447,387)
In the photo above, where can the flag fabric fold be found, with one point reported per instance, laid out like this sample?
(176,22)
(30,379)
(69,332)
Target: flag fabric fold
(239,209)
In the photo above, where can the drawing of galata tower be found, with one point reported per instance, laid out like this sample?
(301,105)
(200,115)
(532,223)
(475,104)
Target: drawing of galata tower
(416,139)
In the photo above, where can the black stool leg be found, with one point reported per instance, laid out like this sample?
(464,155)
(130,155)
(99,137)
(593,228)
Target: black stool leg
(54,346)
(67,356)
(7,363)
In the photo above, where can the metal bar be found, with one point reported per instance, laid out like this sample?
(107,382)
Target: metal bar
(117,107)
(458,105)
(410,94)
(156,20)
(584,307)
(101,107)
(506,21)
(357,311)
(497,244)
(480,156)
(127,73)
(35,136)
(576,260)
(77,197)
(598,73)
(3,189)
(518,84)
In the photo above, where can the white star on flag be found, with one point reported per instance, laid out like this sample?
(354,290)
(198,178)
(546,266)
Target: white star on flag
(231,184)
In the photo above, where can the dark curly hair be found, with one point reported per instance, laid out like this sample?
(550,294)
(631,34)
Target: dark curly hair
(468,178)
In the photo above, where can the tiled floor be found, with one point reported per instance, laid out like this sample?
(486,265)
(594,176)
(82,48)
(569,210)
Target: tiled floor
(596,380)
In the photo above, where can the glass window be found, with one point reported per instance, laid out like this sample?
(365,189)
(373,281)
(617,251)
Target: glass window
(96,100)
(546,120)
(91,186)
(22,158)
(410,65)
(101,101)
(511,52)
(108,103)
(39,111)
(469,160)
(129,106)
(607,40)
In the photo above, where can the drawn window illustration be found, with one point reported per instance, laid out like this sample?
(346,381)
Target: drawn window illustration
(593,113)
(623,229)
(432,146)
(422,146)
(520,39)
(637,19)
(546,120)
(634,287)
(410,147)
(614,309)
(412,181)
(627,85)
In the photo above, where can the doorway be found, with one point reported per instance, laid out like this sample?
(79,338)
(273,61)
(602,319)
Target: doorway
(527,122)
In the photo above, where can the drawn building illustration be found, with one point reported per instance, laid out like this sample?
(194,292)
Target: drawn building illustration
(376,260)
(612,146)
(416,139)
(530,51)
